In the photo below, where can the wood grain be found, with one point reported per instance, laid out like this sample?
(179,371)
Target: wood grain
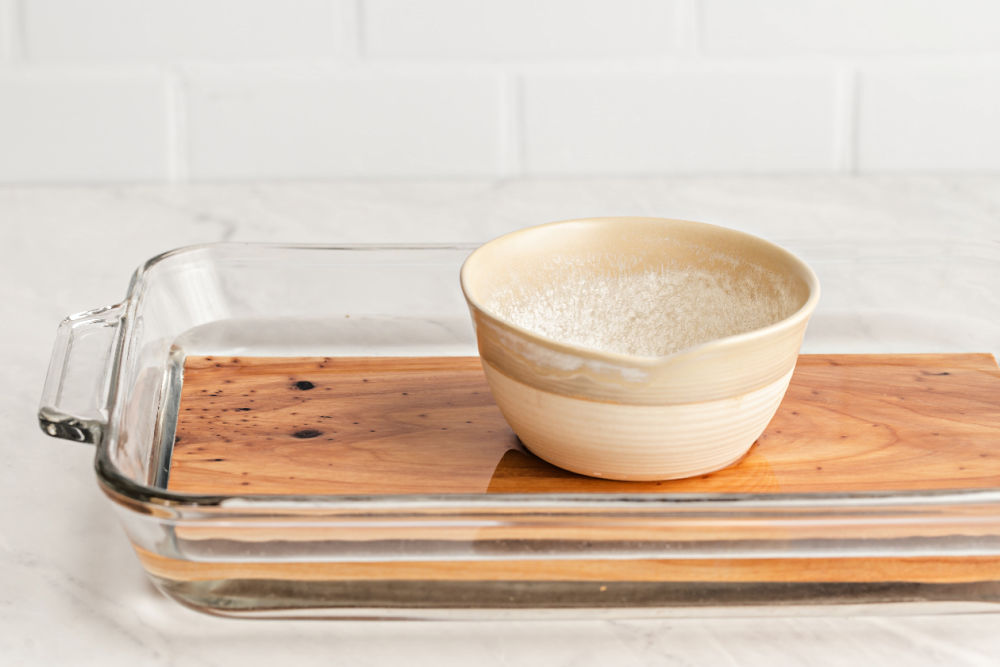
(429,425)
(923,569)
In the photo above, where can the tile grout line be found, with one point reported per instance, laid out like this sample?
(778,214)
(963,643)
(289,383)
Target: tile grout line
(19,32)
(175,118)
(855,127)
(687,28)
(359,29)
(845,132)
(514,125)
(507,130)
(12,20)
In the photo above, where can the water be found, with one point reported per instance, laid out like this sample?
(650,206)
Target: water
(648,313)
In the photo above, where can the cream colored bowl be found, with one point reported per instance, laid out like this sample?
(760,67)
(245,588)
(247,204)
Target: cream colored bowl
(627,413)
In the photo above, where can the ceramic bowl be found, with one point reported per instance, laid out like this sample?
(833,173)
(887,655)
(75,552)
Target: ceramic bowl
(628,414)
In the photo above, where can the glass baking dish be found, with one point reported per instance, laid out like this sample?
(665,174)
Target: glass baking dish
(117,372)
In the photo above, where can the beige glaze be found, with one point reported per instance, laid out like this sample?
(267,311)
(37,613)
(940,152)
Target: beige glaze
(635,442)
(622,416)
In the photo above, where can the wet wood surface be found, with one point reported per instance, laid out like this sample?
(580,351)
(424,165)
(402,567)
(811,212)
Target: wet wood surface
(429,425)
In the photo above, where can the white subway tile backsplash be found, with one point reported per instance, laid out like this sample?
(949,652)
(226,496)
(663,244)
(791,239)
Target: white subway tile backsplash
(58,127)
(163,30)
(350,125)
(695,120)
(125,90)
(931,117)
(518,28)
(850,26)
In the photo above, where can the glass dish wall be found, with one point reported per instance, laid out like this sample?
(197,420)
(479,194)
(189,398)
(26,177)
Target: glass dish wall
(432,555)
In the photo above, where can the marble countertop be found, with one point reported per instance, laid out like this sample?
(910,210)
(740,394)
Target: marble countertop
(71,590)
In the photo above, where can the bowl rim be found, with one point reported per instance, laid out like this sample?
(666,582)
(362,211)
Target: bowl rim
(638,361)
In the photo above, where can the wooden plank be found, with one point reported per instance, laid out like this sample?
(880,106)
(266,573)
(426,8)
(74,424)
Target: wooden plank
(429,425)
(922,569)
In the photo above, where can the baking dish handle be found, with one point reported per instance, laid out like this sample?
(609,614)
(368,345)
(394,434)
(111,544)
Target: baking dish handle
(76,395)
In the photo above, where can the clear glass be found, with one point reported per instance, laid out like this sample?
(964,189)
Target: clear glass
(321,555)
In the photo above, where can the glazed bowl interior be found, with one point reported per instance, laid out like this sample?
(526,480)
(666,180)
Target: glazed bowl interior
(530,280)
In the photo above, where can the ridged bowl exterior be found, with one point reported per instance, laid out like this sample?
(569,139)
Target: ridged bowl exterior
(635,442)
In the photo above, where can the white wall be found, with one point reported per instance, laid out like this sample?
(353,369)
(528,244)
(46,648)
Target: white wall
(123,90)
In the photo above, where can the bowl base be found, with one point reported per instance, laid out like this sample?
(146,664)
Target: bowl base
(635,442)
